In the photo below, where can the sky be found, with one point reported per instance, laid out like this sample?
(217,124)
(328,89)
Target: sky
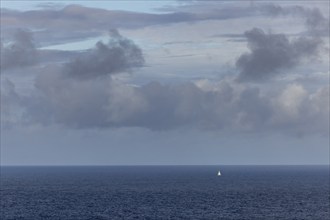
(164,82)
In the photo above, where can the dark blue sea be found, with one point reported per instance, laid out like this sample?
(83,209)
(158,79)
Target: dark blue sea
(165,192)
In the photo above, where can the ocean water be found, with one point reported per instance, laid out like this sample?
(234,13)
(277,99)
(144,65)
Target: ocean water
(165,192)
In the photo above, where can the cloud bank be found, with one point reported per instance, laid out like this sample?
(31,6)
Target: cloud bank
(218,106)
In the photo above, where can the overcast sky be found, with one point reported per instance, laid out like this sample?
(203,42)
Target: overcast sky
(164,82)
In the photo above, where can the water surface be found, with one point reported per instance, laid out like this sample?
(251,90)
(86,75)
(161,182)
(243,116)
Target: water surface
(165,192)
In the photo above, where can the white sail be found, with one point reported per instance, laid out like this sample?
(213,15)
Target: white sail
(219,174)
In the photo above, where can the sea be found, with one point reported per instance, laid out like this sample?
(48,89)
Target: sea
(164,192)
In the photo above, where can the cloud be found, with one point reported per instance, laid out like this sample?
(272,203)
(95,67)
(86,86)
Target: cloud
(20,52)
(218,106)
(82,93)
(119,55)
(271,53)
(9,105)
(75,22)
(315,21)
(59,25)
(301,111)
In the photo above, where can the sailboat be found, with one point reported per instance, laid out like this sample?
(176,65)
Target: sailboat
(219,174)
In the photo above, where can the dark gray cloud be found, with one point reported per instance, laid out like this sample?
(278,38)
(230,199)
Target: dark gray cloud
(315,21)
(56,56)
(19,52)
(119,55)
(271,53)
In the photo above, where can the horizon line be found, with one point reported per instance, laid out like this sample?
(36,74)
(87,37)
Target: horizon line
(108,165)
